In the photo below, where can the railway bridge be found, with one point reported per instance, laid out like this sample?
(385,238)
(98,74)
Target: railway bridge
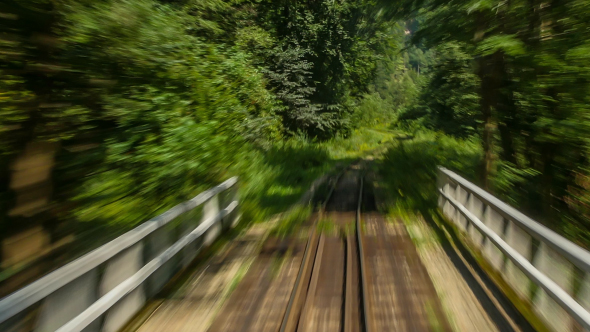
(348,267)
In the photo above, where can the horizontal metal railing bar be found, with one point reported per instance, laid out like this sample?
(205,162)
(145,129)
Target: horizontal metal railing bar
(574,253)
(25,297)
(103,304)
(554,290)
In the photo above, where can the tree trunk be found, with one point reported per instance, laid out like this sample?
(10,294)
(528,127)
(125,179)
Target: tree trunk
(506,110)
(483,63)
(507,141)
(547,156)
(486,103)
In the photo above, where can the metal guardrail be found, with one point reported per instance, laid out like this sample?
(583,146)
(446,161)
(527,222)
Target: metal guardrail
(546,270)
(103,289)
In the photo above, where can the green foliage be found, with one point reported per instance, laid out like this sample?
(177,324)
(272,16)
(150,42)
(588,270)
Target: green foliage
(274,179)
(449,101)
(508,44)
(291,221)
(409,168)
(373,111)
(396,84)
(514,75)
(149,102)
(360,142)
(326,55)
(174,113)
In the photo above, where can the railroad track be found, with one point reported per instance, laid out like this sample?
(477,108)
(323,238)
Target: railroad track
(328,294)
(262,296)
(365,277)
(356,272)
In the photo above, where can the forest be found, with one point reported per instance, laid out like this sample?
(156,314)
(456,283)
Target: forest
(124,108)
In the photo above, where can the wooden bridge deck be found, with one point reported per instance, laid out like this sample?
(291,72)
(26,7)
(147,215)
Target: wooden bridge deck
(399,295)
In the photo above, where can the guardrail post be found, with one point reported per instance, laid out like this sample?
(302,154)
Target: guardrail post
(520,241)
(67,302)
(159,241)
(584,293)
(234,216)
(462,196)
(495,222)
(189,223)
(475,206)
(441,182)
(117,270)
(561,271)
(448,208)
(211,210)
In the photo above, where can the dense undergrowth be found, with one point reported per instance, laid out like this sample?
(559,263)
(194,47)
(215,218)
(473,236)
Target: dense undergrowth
(278,178)
(271,181)
(409,172)
(512,75)
(137,105)
(409,169)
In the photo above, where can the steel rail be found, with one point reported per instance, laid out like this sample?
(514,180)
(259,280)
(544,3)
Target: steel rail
(363,276)
(289,323)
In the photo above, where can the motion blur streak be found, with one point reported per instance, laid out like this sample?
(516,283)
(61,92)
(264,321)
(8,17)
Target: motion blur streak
(114,111)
